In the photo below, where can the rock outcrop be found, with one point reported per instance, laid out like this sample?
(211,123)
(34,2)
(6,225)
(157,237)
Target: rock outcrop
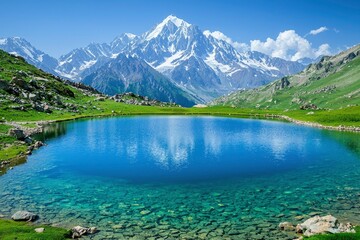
(17,133)
(24,216)
(320,225)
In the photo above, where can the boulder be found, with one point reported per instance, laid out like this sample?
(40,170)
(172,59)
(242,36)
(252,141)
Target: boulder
(39,230)
(4,85)
(286,226)
(101,99)
(28,140)
(17,133)
(79,231)
(320,225)
(41,108)
(34,97)
(284,82)
(47,109)
(308,106)
(38,144)
(34,83)
(20,83)
(24,216)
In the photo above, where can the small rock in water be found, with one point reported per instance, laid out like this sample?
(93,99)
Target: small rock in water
(38,144)
(117,226)
(79,231)
(286,226)
(145,212)
(24,216)
(39,230)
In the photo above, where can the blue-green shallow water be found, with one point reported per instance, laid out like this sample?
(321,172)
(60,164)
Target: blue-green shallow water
(186,177)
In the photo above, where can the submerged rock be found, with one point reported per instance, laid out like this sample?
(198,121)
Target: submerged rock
(24,216)
(286,226)
(79,231)
(326,224)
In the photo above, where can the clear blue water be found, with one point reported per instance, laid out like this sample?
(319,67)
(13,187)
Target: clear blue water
(186,177)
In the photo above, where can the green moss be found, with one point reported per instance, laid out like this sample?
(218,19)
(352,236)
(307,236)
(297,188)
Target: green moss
(10,230)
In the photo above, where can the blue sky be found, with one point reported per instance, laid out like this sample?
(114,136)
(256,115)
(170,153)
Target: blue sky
(57,27)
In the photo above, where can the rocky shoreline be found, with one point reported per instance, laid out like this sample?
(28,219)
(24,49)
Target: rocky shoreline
(315,125)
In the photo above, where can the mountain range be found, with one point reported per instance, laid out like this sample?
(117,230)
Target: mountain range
(331,83)
(176,58)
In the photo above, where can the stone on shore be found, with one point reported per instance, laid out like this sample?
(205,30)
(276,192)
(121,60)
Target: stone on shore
(17,133)
(39,230)
(38,144)
(24,216)
(320,225)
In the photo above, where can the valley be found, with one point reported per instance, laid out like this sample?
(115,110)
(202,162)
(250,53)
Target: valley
(175,130)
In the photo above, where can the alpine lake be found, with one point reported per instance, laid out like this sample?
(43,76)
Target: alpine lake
(186,177)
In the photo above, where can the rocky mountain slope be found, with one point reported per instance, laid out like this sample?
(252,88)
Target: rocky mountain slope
(334,82)
(25,88)
(203,63)
(129,74)
(83,61)
(200,62)
(30,92)
(20,47)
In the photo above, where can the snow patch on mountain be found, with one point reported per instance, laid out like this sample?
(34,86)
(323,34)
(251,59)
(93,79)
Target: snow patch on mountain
(170,62)
(159,28)
(87,64)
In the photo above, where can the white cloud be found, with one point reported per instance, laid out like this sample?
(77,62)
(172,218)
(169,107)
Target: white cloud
(290,46)
(317,31)
(241,47)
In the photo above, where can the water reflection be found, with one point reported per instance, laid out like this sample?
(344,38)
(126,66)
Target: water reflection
(170,142)
(51,131)
(350,140)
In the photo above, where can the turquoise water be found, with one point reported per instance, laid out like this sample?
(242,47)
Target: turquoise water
(186,177)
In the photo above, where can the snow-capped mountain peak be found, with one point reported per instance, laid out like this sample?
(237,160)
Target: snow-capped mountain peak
(177,21)
(171,23)
(130,35)
(217,35)
(20,47)
(205,64)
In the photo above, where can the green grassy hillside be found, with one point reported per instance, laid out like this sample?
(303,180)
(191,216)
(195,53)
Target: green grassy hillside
(10,230)
(332,83)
